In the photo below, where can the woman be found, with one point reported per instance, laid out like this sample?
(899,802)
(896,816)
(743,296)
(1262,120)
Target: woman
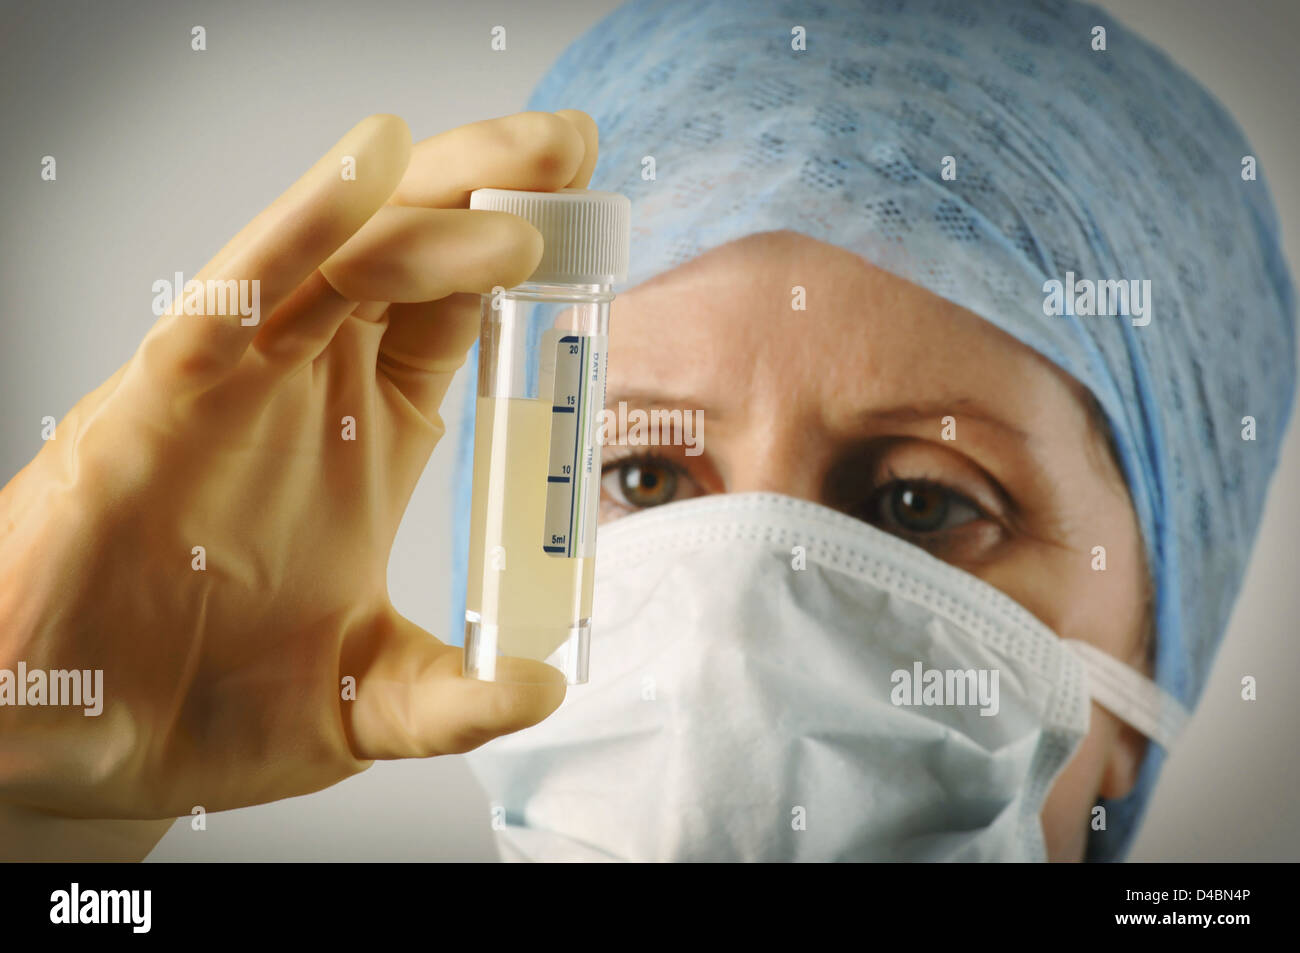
(934,180)
(210,527)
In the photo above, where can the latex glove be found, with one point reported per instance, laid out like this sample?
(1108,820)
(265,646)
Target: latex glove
(224,686)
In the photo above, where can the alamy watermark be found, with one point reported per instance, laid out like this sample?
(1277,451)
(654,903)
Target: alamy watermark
(951,687)
(652,428)
(133,908)
(1085,297)
(57,687)
(211,297)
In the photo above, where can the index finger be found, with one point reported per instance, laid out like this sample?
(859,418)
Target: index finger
(531,151)
(281,247)
(590,133)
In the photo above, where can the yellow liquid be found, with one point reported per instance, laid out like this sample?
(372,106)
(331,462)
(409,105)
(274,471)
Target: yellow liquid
(532,597)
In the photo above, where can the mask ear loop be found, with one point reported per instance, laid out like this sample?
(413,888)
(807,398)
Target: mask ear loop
(1130,696)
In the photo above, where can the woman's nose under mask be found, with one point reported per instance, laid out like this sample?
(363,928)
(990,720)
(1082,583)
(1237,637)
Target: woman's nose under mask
(772,681)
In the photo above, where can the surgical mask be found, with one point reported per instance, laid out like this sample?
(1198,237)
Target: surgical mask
(772,680)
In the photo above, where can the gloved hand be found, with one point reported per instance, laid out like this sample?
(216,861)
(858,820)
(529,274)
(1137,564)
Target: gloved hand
(287,450)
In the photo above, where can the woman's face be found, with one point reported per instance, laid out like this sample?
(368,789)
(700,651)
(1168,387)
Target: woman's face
(844,404)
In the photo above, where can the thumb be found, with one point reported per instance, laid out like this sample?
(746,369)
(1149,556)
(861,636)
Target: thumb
(413,702)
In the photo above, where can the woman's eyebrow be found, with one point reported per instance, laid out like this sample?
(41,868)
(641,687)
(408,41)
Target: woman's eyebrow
(933,411)
(960,408)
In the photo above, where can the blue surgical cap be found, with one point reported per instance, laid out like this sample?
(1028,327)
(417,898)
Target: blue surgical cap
(836,119)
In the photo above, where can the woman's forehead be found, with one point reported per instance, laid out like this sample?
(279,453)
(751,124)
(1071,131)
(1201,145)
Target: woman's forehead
(780,315)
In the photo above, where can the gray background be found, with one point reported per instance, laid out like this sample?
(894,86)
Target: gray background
(164,153)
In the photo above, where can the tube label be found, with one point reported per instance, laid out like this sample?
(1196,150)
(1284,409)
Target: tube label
(576,377)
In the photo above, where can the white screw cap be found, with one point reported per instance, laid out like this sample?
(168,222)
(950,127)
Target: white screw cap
(586,233)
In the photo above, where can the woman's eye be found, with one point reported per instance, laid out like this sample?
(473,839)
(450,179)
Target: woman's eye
(641,482)
(918,508)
